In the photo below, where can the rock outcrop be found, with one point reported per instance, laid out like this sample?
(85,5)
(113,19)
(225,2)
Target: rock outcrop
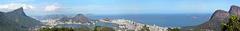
(235,10)
(218,17)
(17,20)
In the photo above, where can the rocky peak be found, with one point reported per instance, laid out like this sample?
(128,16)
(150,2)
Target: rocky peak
(215,21)
(81,18)
(219,14)
(18,11)
(234,10)
(79,14)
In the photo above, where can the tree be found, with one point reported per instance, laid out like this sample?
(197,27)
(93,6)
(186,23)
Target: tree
(101,28)
(232,25)
(145,28)
(56,29)
(83,28)
(173,29)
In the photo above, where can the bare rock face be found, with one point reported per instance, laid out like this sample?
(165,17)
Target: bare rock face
(218,17)
(234,10)
(18,11)
(17,21)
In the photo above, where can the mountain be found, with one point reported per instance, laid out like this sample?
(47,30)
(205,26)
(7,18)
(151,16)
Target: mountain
(235,10)
(78,18)
(81,18)
(218,17)
(17,20)
(52,16)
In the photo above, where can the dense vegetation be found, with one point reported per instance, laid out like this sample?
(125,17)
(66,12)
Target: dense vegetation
(145,28)
(100,28)
(56,29)
(232,25)
(96,28)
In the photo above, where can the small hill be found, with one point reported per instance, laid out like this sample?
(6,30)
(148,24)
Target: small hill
(78,18)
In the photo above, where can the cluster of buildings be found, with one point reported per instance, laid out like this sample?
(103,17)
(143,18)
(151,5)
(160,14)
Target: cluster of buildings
(51,23)
(122,25)
(125,25)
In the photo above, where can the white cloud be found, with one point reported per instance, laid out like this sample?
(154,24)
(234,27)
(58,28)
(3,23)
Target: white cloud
(51,8)
(12,6)
(105,9)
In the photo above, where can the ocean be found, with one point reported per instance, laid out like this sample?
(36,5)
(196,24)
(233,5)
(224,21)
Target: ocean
(164,20)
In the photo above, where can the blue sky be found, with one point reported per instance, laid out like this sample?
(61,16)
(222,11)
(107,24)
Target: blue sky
(115,7)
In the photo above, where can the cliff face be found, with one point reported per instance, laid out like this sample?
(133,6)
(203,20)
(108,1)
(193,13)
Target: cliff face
(17,21)
(234,10)
(218,17)
(215,21)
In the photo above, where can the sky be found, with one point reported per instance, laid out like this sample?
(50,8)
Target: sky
(117,7)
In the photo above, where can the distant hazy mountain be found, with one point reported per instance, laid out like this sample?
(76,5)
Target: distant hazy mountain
(16,21)
(78,18)
(53,16)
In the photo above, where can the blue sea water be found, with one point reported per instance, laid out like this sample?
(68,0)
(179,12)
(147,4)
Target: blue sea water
(164,20)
